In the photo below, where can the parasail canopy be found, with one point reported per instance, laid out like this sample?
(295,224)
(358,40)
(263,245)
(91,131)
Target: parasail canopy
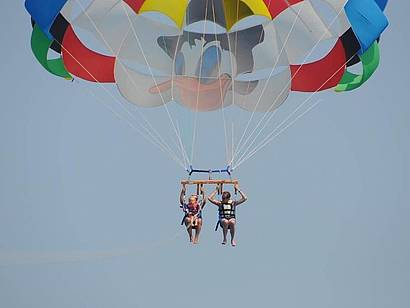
(209,54)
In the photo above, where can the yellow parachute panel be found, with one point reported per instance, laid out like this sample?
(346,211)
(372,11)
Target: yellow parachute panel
(173,9)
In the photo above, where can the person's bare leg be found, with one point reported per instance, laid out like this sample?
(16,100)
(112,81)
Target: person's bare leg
(198,230)
(224,224)
(231,224)
(188,224)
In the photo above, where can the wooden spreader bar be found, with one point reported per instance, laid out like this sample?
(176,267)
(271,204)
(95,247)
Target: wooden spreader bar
(206,182)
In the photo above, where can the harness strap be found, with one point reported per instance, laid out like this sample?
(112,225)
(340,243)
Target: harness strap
(183,220)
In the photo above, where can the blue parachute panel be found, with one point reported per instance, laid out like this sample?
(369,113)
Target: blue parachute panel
(382,4)
(368,21)
(44,12)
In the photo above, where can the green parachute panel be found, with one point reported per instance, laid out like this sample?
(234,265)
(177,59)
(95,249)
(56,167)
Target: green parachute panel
(370,61)
(40,45)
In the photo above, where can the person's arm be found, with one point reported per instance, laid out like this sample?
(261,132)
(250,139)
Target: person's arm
(182,196)
(212,199)
(243,196)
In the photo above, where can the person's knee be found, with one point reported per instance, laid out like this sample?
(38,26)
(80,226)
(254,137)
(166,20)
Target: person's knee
(224,222)
(188,220)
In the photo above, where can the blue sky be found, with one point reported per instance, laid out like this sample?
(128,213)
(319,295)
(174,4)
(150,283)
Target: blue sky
(88,208)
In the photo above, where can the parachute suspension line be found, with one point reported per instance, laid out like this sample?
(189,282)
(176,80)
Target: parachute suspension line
(266,142)
(269,137)
(221,91)
(231,158)
(186,160)
(184,152)
(249,82)
(284,88)
(233,81)
(195,130)
(129,77)
(232,142)
(153,139)
(230,155)
(194,133)
(127,110)
(142,115)
(297,71)
(106,43)
(240,145)
(236,48)
(145,119)
(148,136)
(181,146)
(130,124)
(173,69)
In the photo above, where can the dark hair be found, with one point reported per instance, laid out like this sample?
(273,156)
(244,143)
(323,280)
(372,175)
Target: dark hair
(226,195)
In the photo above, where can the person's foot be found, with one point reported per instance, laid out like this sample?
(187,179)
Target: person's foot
(224,242)
(196,241)
(233,243)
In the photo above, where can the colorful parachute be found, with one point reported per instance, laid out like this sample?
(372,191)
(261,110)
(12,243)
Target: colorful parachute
(205,54)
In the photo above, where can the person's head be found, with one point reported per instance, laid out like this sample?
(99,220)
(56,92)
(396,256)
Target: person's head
(226,195)
(193,199)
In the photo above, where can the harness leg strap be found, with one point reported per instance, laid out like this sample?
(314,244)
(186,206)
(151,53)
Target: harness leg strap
(183,220)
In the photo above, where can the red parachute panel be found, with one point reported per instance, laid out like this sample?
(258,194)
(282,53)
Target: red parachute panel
(276,7)
(85,63)
(135,4)
(322,74)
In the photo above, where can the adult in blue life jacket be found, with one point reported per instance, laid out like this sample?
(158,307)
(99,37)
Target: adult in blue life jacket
(227,212)
(193,213)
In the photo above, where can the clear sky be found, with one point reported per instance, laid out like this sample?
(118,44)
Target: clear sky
(88,208)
